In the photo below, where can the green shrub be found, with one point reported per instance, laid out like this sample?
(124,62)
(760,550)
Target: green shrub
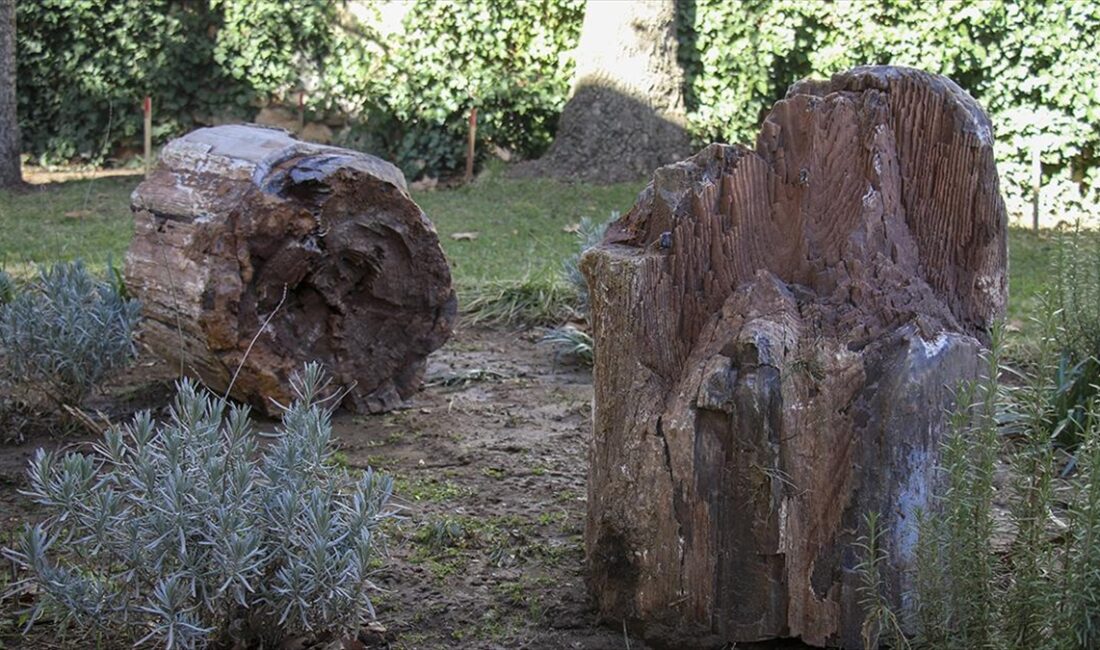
(63,334)
(188,533)
(1044,590)
(507,58)
(84,66)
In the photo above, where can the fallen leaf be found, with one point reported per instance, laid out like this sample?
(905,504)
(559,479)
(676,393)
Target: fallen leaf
(78,214)
(572,228)
(464,236)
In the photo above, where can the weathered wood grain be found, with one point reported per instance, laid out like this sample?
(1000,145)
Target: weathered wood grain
(239,226)
(778,333)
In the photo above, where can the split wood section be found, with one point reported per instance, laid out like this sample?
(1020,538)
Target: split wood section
(778,334)
(259,251)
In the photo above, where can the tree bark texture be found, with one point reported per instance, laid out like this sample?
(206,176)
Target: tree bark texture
(778,334)
(626,114)
(11,174)
(259,251)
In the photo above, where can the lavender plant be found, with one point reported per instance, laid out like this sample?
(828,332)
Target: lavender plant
(567,340)
(188,534)
(63,334)
(589,234)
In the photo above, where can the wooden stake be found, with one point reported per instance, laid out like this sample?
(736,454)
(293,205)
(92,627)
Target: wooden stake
(470,145)
(148,110)
(301,110)
(1036,181)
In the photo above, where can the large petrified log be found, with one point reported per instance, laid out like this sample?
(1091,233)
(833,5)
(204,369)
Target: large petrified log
(242,228)
(778,334)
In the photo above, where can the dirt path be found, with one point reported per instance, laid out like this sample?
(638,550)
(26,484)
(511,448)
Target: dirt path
(490,466)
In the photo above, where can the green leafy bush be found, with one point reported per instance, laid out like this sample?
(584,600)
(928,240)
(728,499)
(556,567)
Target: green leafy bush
(85,65)
(187,533)
(63,334)
(1014,57)
(507,58)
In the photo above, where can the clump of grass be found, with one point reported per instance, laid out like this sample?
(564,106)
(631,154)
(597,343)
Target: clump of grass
(442,533)
(539,298)
(570,342)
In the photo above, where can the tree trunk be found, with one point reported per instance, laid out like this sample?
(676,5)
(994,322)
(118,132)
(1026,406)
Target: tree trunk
(256,250)
(11,176)
(778,334)
(626,114)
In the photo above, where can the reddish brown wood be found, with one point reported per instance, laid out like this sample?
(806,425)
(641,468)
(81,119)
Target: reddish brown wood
(778,333)
(239,226)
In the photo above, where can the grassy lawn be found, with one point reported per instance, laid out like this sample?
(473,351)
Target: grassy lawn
(520,226)
(88,219)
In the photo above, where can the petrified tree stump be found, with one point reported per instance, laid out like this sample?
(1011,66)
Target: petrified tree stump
(255,250)
(778,334)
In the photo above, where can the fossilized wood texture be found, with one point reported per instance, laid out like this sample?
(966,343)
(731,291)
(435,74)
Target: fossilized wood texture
(239,226)
(778,333)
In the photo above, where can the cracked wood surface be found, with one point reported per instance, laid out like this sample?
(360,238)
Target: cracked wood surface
(239,226)
(778,333)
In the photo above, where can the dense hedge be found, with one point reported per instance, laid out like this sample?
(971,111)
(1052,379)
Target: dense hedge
(508,58)
(1033,64)
(85,64)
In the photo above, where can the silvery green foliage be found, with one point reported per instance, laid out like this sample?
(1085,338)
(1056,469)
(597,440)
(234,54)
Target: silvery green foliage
(568,340)
(188,533)
(589,234)
(64,333)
